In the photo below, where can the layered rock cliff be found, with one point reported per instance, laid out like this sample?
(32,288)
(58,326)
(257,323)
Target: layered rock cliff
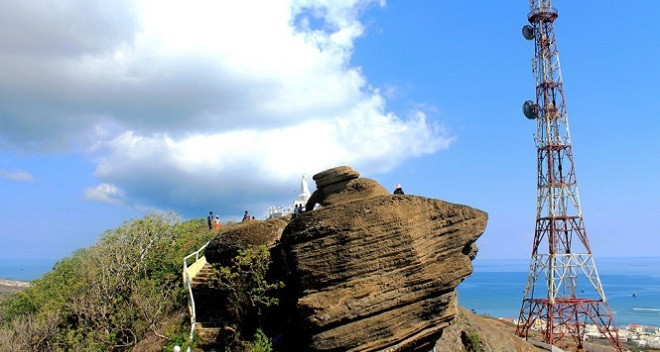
(370,271)
(373,271)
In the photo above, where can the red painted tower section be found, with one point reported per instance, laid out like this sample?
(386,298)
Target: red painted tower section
(563,291)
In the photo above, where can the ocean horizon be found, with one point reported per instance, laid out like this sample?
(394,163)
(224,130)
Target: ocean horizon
(495,288)
(25,269)
(631,285)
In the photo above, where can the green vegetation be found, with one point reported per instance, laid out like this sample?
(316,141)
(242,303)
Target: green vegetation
(471,342)
(247,297)
(261,343)
(110,296)
(245,281)
(475,343)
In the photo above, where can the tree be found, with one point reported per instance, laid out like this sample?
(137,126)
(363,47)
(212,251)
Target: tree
(108,296)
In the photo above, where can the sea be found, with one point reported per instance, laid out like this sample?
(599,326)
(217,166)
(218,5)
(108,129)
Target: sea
(25,269)
(631,285)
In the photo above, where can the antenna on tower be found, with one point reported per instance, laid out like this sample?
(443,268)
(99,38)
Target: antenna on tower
(530,110)
(561,256)
(528,32)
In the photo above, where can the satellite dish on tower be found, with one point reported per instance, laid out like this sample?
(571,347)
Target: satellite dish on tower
(530,110)
(528,32)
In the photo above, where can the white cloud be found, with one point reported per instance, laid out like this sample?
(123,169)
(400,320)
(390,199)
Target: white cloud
(104,193)
(184,103)
(18,175)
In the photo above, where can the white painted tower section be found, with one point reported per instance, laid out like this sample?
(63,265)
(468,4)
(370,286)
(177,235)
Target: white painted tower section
(304,195)
(302,198)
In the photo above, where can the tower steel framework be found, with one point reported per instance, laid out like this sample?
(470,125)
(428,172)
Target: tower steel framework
(563,290)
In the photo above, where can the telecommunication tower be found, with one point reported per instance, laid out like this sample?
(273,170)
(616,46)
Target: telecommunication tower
(563,291)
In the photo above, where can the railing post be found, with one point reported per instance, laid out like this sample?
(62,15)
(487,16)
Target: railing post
(191,298)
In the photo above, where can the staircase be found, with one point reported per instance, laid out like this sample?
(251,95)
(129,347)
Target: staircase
(205,303)
(209,328)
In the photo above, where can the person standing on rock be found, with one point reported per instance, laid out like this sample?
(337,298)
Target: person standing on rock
(398,189)
(246,217)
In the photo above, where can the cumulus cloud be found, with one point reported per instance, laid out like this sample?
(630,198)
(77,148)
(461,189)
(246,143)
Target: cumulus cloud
(18,175)
(182,104)
(105,193)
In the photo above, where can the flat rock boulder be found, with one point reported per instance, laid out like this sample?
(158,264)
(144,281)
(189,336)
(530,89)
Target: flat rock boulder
(224,247)
(342,184)
(377,273)
(334,175)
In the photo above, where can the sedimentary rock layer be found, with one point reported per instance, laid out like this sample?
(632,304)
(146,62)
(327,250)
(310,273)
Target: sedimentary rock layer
(379,273)
(224,247)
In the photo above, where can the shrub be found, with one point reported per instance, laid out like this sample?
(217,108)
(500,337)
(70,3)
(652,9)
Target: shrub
(261,343)
(108,296)
(248,293)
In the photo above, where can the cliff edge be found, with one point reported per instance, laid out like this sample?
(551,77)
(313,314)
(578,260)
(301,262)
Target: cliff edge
(371,271)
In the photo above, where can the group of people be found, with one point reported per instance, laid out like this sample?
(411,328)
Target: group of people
(214,222)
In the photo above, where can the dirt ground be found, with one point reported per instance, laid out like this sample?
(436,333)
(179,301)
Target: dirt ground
(472,332)
(499,334)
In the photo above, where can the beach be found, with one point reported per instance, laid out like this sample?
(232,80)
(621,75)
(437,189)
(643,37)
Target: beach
(8,287)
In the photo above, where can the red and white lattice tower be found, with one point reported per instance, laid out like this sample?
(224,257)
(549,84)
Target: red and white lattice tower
(564,291)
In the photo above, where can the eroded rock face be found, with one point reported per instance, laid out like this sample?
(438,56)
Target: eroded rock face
(355,189)
(341,184)
(334,175)
(224,247)
(378,273)
(368,271)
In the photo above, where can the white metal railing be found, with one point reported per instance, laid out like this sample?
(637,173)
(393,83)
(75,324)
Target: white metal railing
(186,283)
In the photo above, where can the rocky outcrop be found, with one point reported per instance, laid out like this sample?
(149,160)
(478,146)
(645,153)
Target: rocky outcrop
(341,184)
(356,189)
(371,271)
(367,271)
(334,175)
(224,247)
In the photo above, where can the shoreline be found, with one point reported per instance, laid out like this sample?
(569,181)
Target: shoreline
(620,327)
(14,283)
(9,287)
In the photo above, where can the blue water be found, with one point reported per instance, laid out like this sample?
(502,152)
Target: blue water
(24,269)
(496,288)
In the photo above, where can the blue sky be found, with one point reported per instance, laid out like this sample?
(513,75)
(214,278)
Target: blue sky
(112,110)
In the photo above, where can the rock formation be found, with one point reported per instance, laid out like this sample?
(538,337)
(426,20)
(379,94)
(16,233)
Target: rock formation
(341,184)
(371,271)
(367,271)
(224,247)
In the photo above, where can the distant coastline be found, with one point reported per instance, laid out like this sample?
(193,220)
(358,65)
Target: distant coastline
(24,269)
(632,287)
(14,283)
(8,287)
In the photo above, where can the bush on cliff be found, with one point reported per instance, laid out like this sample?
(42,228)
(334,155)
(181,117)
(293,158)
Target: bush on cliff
(248,293)
(108,296)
